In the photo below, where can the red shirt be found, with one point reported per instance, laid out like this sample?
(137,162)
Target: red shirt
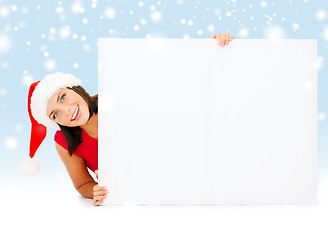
(88,149)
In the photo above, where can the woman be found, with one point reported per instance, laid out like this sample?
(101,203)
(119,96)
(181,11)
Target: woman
(60,102)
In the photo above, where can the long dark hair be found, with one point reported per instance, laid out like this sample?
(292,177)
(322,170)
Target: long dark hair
(73,134)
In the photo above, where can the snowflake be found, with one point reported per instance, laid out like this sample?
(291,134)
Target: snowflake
(11,143)
(110,12)
(50,64)
(156,16)
(321,15)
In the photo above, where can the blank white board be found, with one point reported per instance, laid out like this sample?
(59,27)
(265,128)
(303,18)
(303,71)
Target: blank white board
(185,122)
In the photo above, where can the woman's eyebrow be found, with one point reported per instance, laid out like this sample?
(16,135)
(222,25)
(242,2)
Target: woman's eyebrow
(57,101)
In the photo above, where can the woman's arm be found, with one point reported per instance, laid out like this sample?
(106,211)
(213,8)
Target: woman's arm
(77,170)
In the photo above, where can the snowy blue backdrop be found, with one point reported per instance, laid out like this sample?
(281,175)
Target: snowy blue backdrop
(40,37)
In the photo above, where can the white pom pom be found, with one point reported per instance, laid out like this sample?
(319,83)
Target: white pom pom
(30,167)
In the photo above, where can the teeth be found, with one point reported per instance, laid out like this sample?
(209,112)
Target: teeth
(75,113)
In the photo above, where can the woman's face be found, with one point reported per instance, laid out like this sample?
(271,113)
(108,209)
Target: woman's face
(68,108)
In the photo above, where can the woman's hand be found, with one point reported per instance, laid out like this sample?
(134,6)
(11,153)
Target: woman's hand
(99,193)
(222,39)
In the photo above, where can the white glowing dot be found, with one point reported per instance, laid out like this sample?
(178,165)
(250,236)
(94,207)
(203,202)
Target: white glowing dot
(28,43)
(76,7)
(59,9)
(186,36)
(83,38)
(75,36)
(43,48)
(274,32)
(22,24)
(325,34)
(5,43)
(84,20)
(153,7)
(86,47)
(283,19)
(93,5)
(11,143)
(250,5)
(318,63)
(182,21)
(52,30)
(75,65)
(27,80)
(43,35)
(295,26)
(46,54)
(190,22)
(62,17)
(321,15)
(217,12)
(143,21)
(243,32)
(252,18)
(156,16)
(64,32)
(49,64)
(131,12)
(228,14)
(211,28)
(321,116)
(110,12)
(3,92)
(264,4)
(136,27)
(18,127)
(110,30)
(4,65)
(13,8)
(199,32)
(140,4)
(24,10)
(4,11)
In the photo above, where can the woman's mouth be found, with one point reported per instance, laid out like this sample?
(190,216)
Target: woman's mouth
(76,114)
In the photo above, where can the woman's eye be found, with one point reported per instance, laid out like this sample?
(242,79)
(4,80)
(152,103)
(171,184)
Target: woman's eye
(62,97)
(55,115)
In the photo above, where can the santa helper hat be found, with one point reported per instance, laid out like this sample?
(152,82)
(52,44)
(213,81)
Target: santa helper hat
(39,94)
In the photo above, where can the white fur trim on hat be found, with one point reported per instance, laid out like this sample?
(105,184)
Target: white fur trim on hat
(45,89)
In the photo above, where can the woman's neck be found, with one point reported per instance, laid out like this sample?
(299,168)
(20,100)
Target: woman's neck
(91,127)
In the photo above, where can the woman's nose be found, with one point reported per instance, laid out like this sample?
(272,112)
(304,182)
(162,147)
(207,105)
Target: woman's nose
(67,110)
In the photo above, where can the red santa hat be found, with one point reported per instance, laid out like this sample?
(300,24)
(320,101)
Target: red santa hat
(39,94)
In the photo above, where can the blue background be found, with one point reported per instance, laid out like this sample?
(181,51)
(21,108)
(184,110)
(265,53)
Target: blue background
(40,37)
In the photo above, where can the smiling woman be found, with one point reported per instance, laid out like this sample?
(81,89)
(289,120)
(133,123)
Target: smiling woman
(59,101)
